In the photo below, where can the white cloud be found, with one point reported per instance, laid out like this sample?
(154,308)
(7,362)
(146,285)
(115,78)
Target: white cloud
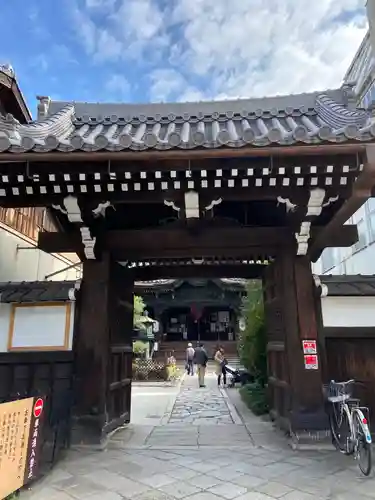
(118,87)
(260,47)
(100,4)
(229,48)
(170,84)
(130,29)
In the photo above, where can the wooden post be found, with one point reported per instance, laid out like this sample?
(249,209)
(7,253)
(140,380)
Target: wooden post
(100,325)
(306,402)
(91,350)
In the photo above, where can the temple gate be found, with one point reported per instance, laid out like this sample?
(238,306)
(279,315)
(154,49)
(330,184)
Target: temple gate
(246,188)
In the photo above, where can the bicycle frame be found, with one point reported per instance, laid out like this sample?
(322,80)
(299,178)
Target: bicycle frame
(363,422)
(352,439)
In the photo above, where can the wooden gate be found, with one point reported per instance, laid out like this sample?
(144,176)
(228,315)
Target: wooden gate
(120,303)
(47,374)
(278,378)
(103,350)
(354,358)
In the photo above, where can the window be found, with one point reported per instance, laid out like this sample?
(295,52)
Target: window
(369,97)
(362,235)
(370,214)
(328,261)
(27,221)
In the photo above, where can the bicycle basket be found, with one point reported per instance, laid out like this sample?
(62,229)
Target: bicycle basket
(338,393)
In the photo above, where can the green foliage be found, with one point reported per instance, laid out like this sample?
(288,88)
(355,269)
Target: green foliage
(140,347)
(173,372)
(254,395)
(252,345)
(252,348)
(139,307)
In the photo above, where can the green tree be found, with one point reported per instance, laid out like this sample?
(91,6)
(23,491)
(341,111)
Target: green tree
(138,311)
(252,348)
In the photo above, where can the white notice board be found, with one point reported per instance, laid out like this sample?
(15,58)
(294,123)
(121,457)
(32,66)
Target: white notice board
(39,327)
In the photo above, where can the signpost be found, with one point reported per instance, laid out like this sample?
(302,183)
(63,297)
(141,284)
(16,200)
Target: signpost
(20,432)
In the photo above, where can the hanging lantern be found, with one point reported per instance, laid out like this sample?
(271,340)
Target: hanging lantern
(196,312)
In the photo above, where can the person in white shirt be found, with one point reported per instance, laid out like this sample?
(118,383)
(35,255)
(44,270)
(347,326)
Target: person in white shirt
(190,353)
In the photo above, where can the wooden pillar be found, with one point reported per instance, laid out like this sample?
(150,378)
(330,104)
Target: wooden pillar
(306,412)
(100,325)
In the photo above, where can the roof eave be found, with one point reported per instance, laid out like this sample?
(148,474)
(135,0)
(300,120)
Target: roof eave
(349,147)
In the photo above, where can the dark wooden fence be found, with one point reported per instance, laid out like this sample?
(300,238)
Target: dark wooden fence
(49,374)
(354,357)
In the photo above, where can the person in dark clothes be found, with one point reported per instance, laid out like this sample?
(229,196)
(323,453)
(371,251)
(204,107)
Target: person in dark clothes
(200,360)
(220,362)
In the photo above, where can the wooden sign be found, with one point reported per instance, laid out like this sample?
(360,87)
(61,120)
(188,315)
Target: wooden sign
(20,432)
(311,362)
(309,346)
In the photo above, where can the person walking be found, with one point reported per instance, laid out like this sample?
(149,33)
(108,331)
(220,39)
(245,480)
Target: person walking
(220,362)
(190,353)
(201,359)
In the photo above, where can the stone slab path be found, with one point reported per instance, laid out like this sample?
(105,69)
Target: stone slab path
(217,459)
(200,406)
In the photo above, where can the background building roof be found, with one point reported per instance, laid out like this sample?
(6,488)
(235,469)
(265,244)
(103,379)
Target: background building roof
(348,285)
(38,291)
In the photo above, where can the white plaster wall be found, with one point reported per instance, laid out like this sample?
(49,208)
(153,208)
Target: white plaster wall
(33,327)
(348,312)
(4,326)
(18,264)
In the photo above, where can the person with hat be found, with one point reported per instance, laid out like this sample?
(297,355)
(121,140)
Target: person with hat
(190,353)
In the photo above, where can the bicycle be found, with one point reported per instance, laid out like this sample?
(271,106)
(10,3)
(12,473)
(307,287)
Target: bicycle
(349,426)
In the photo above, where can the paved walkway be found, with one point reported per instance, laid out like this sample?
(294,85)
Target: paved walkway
(210,457)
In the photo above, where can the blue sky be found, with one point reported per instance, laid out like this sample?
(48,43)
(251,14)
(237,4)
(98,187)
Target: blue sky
(160,50)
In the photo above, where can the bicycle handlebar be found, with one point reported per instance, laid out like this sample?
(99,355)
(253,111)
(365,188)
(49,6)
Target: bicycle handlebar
(352,381)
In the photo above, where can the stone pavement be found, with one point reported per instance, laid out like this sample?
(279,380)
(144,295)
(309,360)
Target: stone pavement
(200,406)
(194,460)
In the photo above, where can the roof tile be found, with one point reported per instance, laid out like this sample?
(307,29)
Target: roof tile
(36,291)
(308,118)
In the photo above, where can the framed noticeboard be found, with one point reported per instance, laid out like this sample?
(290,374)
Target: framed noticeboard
(20,433)
(44,326)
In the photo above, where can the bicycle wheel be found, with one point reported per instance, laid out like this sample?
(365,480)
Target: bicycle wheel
(363,448)
(340,428)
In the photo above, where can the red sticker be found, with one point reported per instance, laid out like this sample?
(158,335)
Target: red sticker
(38,407)
(311,362)
(309,346)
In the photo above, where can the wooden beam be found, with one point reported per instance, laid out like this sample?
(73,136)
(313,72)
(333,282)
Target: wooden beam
(119,166)
(345,237)
(63,242)
(248,271)
(146,244)
(236,242)
(321,149)
(361,192)
(147,197)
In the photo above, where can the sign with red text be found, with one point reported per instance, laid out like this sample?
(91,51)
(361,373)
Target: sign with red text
(311,362)
(20,426)
(309,346)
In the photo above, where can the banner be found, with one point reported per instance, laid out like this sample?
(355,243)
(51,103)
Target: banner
(20,437)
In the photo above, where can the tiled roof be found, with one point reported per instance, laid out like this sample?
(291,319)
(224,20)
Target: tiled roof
(173,283)
(305,118)
(37,291)
(347,285)
(154,283)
